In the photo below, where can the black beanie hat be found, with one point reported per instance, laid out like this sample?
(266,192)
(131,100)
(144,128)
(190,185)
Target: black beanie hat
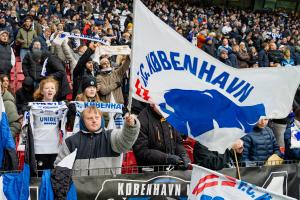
(88,81)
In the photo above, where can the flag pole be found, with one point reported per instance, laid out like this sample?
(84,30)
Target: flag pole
(131,56)
(237,165)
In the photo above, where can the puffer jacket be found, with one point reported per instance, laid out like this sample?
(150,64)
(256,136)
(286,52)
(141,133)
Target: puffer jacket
(260,145)
(157,139)
(98,152)
(12,113)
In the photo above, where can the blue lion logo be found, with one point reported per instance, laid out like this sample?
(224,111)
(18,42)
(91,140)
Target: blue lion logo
(194,112)
(206,197)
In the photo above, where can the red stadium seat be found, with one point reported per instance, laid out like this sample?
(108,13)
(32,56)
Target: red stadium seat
(129,165)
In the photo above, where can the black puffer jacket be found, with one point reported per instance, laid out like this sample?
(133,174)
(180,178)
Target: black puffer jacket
(157,139)
(260,145)
(32,67)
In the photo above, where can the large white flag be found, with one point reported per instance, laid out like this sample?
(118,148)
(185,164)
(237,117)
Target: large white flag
(199,95)
(207,184)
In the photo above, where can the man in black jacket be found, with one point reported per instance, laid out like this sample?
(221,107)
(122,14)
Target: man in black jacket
(263,59)
(158,142)
(39,64)
(214,160)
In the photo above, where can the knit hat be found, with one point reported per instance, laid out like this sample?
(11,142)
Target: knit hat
(87,82)
(4,31)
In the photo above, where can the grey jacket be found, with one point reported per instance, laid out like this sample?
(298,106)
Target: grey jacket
(98,152)
(70,55)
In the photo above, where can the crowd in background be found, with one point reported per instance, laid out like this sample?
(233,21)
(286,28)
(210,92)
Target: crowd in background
(238,38)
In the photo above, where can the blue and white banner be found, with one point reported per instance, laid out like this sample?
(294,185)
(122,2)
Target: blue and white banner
(207,184)
(114,109)
(104,107)
(61,37)
(295,134)
(199,95)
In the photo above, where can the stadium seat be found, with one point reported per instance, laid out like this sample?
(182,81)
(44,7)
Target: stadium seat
(129,165)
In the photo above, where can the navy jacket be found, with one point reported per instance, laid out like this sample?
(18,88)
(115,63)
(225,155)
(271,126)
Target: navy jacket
(260,145)
(263,59)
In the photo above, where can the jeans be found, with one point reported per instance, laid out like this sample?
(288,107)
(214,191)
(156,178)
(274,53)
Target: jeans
(23,52)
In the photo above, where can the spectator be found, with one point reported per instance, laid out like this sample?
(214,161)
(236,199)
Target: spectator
(38,65)
(24,95)
(225,46)
(89,90)
(233,56)
(72,56)
(25,37)
(46,93)
(223,57)
(109,80)
(291,138)
(5,26)
(275,56)
(11,111)
(7,56)
(84,67)
(208,47)
(253,62)
(287,61)
(158,142)
(97,147)
(5,83)
(243,56)
(31,64)
(214,160)
(260,144)
(45,39)
(263,58)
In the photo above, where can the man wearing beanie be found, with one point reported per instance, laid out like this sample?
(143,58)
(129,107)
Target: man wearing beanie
(7,56)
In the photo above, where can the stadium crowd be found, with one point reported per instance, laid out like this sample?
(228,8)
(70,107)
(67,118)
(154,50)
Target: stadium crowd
(238,38)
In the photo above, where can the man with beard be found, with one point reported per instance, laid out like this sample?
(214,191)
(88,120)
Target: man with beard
(7,56)
(25,37)
(39,64)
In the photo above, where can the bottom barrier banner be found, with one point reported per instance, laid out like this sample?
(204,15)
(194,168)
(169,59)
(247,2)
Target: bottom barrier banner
(174,185)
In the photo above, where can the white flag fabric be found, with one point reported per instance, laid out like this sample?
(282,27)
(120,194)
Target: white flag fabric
(207,184)
(69,160)
(199,95)
(114,50)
